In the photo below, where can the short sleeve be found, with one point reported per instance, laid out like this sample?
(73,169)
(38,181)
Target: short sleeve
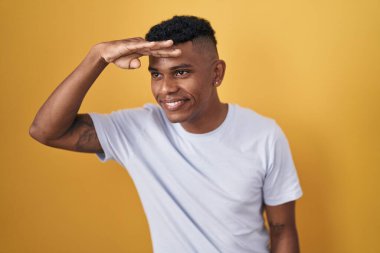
(111,136)
(281,183)
(121,131)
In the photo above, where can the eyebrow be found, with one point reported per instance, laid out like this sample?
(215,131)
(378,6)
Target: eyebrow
(184,65)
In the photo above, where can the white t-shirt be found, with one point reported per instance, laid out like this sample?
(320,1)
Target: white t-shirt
(202,192)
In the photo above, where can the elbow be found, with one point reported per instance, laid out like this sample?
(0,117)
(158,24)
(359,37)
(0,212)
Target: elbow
(38,134)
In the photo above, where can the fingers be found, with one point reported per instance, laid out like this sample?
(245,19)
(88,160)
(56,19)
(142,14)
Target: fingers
(155,45)
(163,52)
(159,49)
(128,61)
(139,46)
(155,48)
(166,53)
(125,49)
(132,62)
(143,46)
(126,53)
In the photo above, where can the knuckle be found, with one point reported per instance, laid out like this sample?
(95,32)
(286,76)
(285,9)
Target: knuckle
(107,58)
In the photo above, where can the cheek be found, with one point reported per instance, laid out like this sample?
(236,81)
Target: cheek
(201,88)
(197,84)
(192,87)
(154,89)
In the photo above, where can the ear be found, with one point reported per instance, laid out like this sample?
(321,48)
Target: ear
(219,70)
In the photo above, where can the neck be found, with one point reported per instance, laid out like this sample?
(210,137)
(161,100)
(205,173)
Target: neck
(211,119)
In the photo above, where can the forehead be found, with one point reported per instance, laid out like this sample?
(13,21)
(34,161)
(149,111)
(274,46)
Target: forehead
(189,55)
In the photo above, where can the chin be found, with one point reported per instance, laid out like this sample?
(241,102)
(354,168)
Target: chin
(175,117)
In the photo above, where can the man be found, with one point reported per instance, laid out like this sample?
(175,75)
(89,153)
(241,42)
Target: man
(205,170)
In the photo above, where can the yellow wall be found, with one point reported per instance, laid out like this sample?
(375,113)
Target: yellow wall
(312,65)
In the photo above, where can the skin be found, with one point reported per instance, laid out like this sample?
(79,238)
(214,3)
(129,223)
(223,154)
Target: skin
(190,70)
(58,124)
(194,76)
(282,227)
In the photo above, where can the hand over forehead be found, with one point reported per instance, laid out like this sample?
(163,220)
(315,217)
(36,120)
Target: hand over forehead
(158,49)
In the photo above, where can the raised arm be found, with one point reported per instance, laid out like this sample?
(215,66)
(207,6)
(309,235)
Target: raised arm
(58,123)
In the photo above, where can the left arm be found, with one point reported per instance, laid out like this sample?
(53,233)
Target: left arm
(282,225)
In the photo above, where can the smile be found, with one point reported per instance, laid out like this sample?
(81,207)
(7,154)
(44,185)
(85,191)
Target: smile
(174,105)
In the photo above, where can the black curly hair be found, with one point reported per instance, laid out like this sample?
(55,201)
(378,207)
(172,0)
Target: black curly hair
(182,29)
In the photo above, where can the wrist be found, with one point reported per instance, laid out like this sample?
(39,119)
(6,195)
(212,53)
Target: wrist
(96,53)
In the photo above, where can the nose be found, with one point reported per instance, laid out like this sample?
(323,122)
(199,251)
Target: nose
(168,86)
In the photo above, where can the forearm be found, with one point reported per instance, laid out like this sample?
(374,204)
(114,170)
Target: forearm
(57,114)
(284,240)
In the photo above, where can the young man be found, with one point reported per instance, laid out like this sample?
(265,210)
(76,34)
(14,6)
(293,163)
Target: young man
(205,170)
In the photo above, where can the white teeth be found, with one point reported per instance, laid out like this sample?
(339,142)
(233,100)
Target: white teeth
(174,104)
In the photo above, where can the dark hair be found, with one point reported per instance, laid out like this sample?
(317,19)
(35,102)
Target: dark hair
(182,29)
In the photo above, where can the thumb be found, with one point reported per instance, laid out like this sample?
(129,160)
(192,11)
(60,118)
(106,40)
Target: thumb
(135,63)
(128,61)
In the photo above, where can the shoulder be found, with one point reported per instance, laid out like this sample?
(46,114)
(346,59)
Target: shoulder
(250,121)
(144,110)
(137,118)
(255,126)
(144,113)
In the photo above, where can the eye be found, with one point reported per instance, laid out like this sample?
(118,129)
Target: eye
(155,75)
(181,72)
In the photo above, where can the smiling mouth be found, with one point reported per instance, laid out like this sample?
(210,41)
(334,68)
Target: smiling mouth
(174,105)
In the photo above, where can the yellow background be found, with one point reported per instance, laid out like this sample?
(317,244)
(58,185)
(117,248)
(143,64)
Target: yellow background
(314,66)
